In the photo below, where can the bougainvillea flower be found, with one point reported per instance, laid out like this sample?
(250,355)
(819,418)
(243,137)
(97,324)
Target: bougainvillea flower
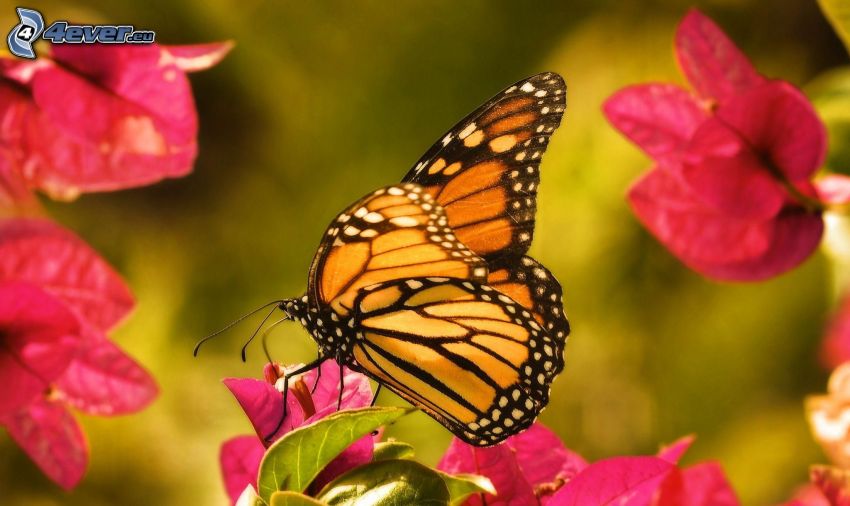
(312,396)
(525,470)
(60,298)
(99,117)
(731,191)
(829,417)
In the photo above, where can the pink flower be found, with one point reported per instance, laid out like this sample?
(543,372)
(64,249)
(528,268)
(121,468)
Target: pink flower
(534,467)
(98,117)
(526,469)
(57,300)
(730,193)
(312,396)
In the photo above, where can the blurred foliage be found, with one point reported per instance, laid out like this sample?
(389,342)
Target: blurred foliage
(322,102)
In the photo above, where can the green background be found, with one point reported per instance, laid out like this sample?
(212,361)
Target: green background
(321,103)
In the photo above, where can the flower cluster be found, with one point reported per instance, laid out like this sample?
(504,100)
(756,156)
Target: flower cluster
(312,396)
(731,192)
(87,118)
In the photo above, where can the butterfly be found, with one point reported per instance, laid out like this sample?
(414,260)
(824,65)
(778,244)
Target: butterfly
(425,286)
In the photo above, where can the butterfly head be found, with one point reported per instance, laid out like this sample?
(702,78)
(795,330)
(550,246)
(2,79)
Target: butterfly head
(296,309)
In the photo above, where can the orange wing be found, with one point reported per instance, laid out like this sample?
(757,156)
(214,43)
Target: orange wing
(486,170)
(396,232)
(469,356)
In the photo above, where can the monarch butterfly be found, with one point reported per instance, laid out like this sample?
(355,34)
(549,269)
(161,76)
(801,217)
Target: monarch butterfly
(425,285)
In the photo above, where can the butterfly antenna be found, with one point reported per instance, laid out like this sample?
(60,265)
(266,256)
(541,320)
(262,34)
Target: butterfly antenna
(266,334)
(262,323)
(230,325)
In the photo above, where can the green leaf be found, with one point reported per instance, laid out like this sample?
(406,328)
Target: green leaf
(838,14)
(830,94)
(249,497)
(387,483)
(462,486)
(293,499)
(390,450)
(296,458)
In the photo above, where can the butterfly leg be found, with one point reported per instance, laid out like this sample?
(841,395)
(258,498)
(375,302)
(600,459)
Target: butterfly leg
(318,377)
(375,397)
(301,370)
(341,386)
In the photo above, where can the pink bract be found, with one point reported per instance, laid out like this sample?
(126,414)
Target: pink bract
(714,66)
(628,481)
(53,440)
(240,460)
(130,119)
(42,253)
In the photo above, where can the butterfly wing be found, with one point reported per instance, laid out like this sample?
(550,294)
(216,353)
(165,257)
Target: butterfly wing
(468,355)
(485,170)
(536,289)
(396,232)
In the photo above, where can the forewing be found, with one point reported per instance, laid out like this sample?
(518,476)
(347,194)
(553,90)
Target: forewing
(397,232)
(485,170)
(468,355)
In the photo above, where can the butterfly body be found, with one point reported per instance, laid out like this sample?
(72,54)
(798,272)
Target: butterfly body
(425,286)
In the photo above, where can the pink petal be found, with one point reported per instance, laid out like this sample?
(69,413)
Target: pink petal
(51,437)
(781,126)
(103,380)
(359,453)
(659,118)
(833,189)
(711,62)
(105,117)
(357,391)
(625,481)
(673,452)
(717,245)
(691,230)
(544,460)
(240,462)
(795,235)
(46,255)
(264,406)
(196,57)
(495,462)
(699,485)
(38,339)
(835,349)
(725,173)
